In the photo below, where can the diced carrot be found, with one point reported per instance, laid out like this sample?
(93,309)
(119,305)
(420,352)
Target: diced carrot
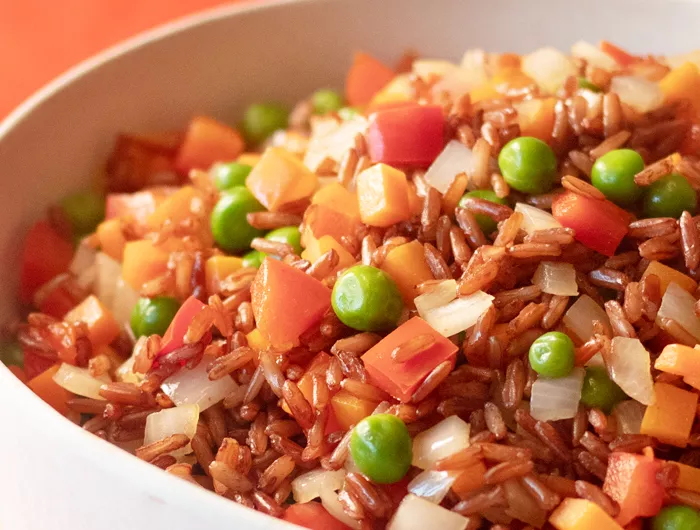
(667,275)
(688,477)
(280,178)
(177,207)
(34,363)
(622,57)
(138,161)
(338,197)
(581,514)
(139,205)
(510,78)
(415,202)
(312,515)
(692,381)
(407,267)
(682,83)
(111,238)
(452,196)
(398,90)
(323,220)
(470,480)
(45,254)
(382,192)
(286,302)
(102,327)
(678,359)
(249,159)
(350,409)
(174,336)
(315,248)
(208,141)
(483,92)
(217,268)
(143,261)
(536,118)
(366,77)
(401,379)
(670,417)
(47,389)
(18,373)
(257,341)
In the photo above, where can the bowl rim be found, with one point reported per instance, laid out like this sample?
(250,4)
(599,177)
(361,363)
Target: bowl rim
(98,452)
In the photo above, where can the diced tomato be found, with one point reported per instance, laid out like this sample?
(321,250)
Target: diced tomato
(34,363)
(622,57)
(57,296)
(45,254)
(314,516)
(286,302)
(408,136)
(208,141)
(401,379)
(366,77)
(139,205)
(631,482)
(174,336)
(598,224)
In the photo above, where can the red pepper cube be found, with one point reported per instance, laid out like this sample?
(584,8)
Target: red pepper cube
(407,136)
(401,379)
(174,336)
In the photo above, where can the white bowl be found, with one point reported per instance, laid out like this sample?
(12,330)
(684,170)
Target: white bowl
(52,474)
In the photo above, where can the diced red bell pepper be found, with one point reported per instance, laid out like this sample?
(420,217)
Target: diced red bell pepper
(286,302)
(139,205)
(631,482)
(622,57)
(366,77)
(314,516)
(138,161)
(598,224)
(35,364)
(174,336)
(208,141)
(400,379)
(407,136)
(45,254)
(55,298)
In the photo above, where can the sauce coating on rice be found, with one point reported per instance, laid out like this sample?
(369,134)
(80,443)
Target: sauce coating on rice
(462,294)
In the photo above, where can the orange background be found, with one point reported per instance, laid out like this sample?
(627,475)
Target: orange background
(39,39)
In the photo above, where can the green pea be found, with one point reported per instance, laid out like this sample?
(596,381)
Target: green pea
(486,224)
(552,355)
(260,120)
(11,354)
(613,174)
(528,165)
(254,259)
(348,113)
(367,299)
(676,518)
(670,196)
(84,210)
(229,175)
(381,447)
(287,234)
(599,391)
(585,83)
(229,224)
(152,316)
(326,100)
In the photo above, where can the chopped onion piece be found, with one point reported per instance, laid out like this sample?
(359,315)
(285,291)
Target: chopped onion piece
(556,278)
(454,159)
(83,266)
(459,81)
(427,68)
(310,486)
(474,58)
(678,304)
(415,513)
(112,290)
(629,416)
(580,316)
(433,486)
(549,68)
(125,298)
(640,94)
(535,219)
(330,501)
(443,293)
(440,441)
(126,374)
(331,139)
(175,420)
(596,360)
(79,381)
(458,315)
(556,399)
(629,366)
(193,387)
(593,55)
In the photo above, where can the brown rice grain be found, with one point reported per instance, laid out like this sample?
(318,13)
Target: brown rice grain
(534,250)
(545,498)
(364,390)
(430,214)
(298,405)
(458,243)
(372,498)
(552,439)
(690,239)
(631,443)
(616,141)
(481,153)
(480,501)
(160,447)
(612,114)
(508,231)
(494,420)
(555,311)
(582,161)
(368,249)
(412,347)
(593,465)
(593,493)
(437,265)
(495,211)
(230,362)
(514,384)
(276,473)
(272,248)
(432,381)
(272,220)
(124,393)
(581,187)
(620,325)
(478,277)
(654,172)
(442,237)
(609,278)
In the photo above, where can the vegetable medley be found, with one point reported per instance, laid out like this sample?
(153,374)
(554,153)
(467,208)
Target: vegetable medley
(456,294)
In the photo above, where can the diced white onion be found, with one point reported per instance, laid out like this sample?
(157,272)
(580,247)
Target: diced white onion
(535,219)
(427,68)
(331,139)
(79,381)
(629,366)
(442,294)
(556,399)
(549,68)
(459,81)
(678,304)
(446,438)
(330,501)
(556,278)
(83,266)
(175,420)
(190,387)
(454,159)
(415,513)
(309,486)
(629,415)
(432,485)
(580,316)
(126,374)
(522,505)
(596,360)
(593,55)
(640,94)
(473,58)
(458,315)
(111,288)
